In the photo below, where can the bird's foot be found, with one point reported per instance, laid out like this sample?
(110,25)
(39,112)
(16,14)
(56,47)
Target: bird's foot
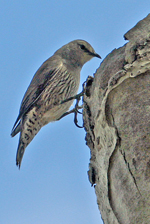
(76,109)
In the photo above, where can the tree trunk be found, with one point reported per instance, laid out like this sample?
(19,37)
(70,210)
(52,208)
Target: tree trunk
(117,122)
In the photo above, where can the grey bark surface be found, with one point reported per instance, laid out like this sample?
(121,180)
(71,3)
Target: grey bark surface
(116,117)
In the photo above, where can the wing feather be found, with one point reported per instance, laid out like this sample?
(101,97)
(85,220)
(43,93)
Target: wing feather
(38,84)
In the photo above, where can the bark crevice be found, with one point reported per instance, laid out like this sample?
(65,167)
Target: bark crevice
(116,113)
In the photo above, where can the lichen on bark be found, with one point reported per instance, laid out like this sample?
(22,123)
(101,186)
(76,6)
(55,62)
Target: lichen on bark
(116,113)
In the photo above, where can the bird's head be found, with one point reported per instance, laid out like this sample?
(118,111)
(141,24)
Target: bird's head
(77,53)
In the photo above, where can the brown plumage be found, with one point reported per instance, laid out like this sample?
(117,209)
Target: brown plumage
(56,80)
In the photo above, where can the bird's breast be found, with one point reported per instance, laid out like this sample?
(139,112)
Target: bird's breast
(63,87)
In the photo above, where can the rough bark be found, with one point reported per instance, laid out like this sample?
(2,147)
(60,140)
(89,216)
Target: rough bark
(117,122)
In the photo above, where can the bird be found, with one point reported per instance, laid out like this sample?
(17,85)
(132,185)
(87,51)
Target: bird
(56,80)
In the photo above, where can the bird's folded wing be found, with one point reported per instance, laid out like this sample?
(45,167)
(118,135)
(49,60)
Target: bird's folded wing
(38,84)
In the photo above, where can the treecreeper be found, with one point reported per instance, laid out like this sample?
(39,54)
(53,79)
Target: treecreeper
(55,81)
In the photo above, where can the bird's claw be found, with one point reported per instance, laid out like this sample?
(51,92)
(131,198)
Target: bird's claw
(77,107)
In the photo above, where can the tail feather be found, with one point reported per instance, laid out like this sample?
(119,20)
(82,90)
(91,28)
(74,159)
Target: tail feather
(30,126)
(24,140)
(20,152)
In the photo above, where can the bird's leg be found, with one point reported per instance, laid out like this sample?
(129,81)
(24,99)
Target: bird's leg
(77,107)
(76,113)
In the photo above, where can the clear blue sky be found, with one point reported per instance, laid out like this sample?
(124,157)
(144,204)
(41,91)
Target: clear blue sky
(52,185)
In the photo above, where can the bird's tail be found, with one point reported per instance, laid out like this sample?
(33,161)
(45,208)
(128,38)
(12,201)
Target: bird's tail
(20,151)
(29,129)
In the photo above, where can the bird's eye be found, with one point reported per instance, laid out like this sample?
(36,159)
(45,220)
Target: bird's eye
(82,47)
